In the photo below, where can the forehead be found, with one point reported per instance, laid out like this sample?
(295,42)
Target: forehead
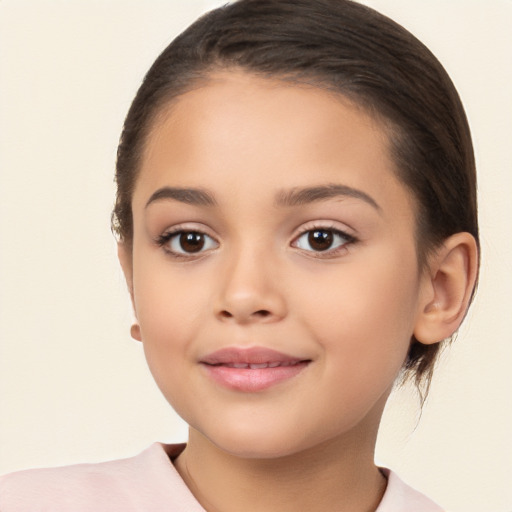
(240,130)
(239,103)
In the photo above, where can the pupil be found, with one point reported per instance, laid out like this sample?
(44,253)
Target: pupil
(320,240)
(192,242)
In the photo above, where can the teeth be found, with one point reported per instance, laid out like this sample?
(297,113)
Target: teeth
(257,366)
(260,366)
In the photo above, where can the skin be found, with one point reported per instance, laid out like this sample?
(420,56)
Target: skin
(306,443)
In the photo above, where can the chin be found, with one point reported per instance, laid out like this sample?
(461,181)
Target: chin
(253,450)
(259,443)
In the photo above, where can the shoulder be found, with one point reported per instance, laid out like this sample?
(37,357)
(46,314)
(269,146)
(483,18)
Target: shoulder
(400,497)
(143,482)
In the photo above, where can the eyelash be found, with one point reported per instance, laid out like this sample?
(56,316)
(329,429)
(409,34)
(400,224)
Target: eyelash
(164,239)
(329,252)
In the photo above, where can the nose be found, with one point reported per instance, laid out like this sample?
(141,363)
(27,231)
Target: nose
(251,291)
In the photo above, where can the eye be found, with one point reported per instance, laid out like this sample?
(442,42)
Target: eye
(187,242)
(322,240)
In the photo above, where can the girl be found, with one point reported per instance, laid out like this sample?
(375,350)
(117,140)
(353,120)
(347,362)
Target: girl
(296,213)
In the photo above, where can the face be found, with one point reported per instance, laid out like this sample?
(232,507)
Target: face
(274,273)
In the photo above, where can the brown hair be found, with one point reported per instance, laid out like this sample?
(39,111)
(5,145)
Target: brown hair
(355,51)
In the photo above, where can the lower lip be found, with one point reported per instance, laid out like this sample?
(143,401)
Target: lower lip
(252,380)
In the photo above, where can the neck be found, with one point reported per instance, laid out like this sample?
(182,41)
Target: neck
(338,475)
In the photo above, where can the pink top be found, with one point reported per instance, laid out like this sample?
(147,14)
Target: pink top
(146,482)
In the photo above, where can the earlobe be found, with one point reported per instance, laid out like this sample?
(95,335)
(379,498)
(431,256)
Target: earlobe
(447,289)
(135,332)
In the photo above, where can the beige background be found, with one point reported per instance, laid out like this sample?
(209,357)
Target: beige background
(73,385)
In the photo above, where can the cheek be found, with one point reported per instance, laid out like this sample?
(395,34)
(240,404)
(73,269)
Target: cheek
(167,338)
(363,318)
(163,294)
(169,310)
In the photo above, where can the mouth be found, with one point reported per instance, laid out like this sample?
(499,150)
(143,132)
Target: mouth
(259,366)
(251,369)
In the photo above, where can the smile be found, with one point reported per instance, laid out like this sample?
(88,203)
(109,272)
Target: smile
(253,369)
(259,366)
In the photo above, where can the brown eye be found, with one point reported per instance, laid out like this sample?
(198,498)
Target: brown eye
(323,240)
(182,243)
(191,241)
(320,240)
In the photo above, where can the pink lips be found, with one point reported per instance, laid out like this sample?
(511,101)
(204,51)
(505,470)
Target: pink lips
(251,369)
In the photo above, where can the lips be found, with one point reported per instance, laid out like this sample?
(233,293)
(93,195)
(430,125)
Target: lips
(251,369)
(259,366)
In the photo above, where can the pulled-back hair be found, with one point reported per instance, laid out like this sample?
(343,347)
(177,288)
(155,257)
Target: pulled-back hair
(347,48)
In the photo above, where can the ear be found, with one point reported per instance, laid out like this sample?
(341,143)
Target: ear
(447,288)
(124,253)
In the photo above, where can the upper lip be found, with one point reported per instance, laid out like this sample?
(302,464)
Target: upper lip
(251,355)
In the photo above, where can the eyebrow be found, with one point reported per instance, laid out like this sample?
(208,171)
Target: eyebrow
(293,197)
(193,196)
(300,196)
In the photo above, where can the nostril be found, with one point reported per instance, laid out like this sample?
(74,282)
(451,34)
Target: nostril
(263,313)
